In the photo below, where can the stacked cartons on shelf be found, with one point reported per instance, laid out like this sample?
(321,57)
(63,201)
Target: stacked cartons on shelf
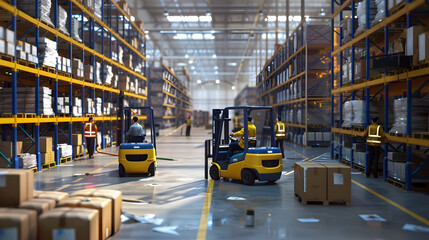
(26,100)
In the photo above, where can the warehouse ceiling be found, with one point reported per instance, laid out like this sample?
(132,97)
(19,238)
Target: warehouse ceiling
(221,40)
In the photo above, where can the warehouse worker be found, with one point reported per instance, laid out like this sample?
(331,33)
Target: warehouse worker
(135,133)
(90,135)
(239,146)
(374,136)
(188,125)
(237,122)
(280,131)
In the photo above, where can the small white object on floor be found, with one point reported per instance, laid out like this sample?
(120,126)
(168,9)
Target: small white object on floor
(356,173)
(152,185)
(145,179)
(415,228)
(236,198)
(308,220)
(169,230)
(372,218)
(124,218)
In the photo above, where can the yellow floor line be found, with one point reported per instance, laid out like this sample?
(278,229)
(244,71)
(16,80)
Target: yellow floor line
(61,188)
(285,174)
(168,134)
(77,180)
(295,151)
(202,230)
(411,213)
(110,163)
(311,159)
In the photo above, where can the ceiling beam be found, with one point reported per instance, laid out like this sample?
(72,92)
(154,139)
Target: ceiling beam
(209,57)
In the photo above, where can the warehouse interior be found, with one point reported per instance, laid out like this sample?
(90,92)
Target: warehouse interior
(186,119)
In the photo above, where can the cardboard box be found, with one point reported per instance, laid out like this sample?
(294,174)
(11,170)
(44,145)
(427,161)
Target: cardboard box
(104,207)
(27,47)
(2,33)
(33,50)
(39,205)
(18,224)
(45,144)
(10,49)
(412,42)
(77,139)
(115,196)
(6,148)
(21,54)
(57,196)
(61,223)
(423,47)
(2,46)
(17,184)
(47,158)
(310,181)
(10,36)
(77,150)
(338,182)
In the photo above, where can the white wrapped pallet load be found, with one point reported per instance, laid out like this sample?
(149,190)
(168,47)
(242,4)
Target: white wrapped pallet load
(75,29)
(27,160)
(29,7)
(108,74)
(47,51)
(26,100)
(380,11)
(361,13)
(347,114)
(419,118)
(65,150)
(62,20)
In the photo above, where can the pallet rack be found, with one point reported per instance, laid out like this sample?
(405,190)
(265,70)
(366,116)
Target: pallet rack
(100,37)
(246,97)
(376,39)
(169,97)
(295,81)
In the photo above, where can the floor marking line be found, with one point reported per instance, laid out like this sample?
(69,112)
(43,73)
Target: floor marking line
(285,174)
(409,212)
(62,187)
(202,230)
(295,151)
(168,134)
(96,170)
(311,159)
(110,163)
(77,180)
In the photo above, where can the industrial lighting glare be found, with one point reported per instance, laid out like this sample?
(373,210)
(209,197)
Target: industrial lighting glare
(190,18)
(233,87)
(282,18)
(322,12)
(214,56)
(216,72)
(217,81)
(216,67)
(198,81)
(186,56)
(194,36)
(191,61)
(212,31)
(165,13)
(192,67)
(232,64)
(132,18)
(208,13)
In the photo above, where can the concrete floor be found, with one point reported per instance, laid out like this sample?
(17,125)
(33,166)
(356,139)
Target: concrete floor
(177,193)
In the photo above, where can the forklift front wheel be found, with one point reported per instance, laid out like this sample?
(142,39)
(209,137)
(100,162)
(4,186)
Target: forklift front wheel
(248,177)
(214,172)
(121,171)
(152,170)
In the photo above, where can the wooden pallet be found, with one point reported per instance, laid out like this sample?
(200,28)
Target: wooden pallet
(48,115)
(34,169)
(421,135)
(27,63)
(398,134)
(64,115)
(30,115)
(47,23)
(65,160)
(48,165)
(78,156)
(78,78)
(48,69)
(10,115)
(65,33)
(65,74)
(359,128)
(322,202)
(6,57)
(89,115)
(395,182)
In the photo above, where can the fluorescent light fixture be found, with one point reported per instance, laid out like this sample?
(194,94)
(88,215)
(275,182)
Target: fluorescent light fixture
(322,12)
(233,87)
(194,36)
(217,81)
(186,56)
(232,64)
(192,67)
(216,72)
(214,56)
(181,64)
(216,67)
(198,81)
(189,18)
(212,31)
(282,18)
(191,61)
(165,13)
(195,72)
(146,32)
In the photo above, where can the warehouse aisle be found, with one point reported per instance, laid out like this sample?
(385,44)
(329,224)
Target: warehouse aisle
(174,199)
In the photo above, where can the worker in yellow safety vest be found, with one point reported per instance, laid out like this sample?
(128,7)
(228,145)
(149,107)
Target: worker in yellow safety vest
(239,146)
(374,137)
(280,131)
(90,136)
(237,122)
(188,125)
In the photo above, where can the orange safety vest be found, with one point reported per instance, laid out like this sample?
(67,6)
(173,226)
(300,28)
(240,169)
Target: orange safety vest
(90,130)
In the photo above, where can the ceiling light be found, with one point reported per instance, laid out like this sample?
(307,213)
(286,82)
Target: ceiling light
(191,61)
(186,56)
(198,81)
(190,18)
(165,13)
(216,72)
(181,64)
(322,12)
(214,56)
(232,64)
(208,13)
(212,31)
(233,87)
(217,81)
(132,18)
(192,67)
(216,67)
(261,13)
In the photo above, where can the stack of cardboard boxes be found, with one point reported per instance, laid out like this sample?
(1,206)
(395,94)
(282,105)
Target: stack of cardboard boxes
(47,156)
(322,182)
(88,214)
(7,41)
(77,145)
(6,149)
(27,52)
(77,70)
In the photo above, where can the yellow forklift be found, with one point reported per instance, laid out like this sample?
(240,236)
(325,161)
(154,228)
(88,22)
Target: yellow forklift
(259,160)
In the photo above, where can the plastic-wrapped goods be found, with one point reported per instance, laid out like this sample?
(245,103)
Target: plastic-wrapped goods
(26,100)
(65,150)
(98,107)
(75,29)
(108,74)
(97,73)
(27,160)
(62,20)
(419,118)
(354,113)
(299,116)
(47,51)
(121,55)
(29,7)
(380,11)
(361,13)
(97,8)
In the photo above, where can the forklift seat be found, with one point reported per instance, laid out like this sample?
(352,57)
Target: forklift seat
(252,142)
(136,139)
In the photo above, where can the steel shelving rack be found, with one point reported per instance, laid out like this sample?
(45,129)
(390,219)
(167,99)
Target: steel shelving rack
(169,97)
(113,29)
(383,87)
(246,97)
(295,81)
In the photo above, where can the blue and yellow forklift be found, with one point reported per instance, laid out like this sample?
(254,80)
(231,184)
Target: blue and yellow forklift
(260,159)
(136,155)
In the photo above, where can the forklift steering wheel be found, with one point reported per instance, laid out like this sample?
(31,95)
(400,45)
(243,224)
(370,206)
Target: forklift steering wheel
(232,138)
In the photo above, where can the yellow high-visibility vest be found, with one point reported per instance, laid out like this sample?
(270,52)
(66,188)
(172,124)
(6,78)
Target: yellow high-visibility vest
(374,138)
(280,133)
